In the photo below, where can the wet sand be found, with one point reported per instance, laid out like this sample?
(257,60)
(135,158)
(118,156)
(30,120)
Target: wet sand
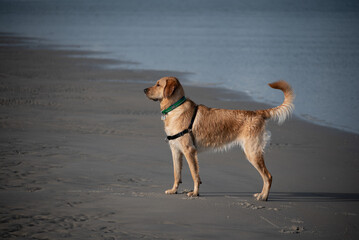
(83,157)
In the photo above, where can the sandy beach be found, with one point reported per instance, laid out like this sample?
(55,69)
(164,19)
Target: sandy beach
(83,157)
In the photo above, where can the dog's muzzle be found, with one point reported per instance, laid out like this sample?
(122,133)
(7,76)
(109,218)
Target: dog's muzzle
(146,91)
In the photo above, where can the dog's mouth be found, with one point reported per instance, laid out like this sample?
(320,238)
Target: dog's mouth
(154,99)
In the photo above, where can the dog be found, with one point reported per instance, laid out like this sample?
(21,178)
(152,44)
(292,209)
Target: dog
(191,128)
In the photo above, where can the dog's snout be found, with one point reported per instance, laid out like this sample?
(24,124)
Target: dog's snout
(145,90)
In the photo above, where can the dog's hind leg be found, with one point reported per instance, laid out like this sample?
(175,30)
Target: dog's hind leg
(255,157)
(177,157)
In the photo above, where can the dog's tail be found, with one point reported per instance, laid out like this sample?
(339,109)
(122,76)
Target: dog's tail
(283,111)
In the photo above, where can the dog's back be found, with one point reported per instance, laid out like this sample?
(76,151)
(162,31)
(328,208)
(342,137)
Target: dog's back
(222,128)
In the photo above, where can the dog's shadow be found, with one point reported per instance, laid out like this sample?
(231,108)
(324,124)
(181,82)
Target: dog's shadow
(293,196)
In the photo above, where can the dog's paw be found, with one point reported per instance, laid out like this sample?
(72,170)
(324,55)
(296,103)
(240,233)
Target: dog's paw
(171,191)
(261,197)
(192,194)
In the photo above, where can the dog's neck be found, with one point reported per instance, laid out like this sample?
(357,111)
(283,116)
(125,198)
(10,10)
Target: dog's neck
(166,104)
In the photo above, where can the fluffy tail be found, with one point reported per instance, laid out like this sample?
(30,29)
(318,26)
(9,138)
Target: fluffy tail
(283,111)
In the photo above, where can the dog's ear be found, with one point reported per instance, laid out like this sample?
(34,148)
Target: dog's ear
(171,86)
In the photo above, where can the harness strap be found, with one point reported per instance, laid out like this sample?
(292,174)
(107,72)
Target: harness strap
(188,130)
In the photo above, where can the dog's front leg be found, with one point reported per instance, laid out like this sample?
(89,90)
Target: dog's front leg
(177,168)
(191,156)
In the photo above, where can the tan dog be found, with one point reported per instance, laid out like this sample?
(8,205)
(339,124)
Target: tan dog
(215,128)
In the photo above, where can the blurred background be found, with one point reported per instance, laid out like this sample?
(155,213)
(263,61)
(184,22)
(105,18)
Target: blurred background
(238,45)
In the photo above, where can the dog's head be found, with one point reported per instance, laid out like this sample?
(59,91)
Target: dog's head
(167,88)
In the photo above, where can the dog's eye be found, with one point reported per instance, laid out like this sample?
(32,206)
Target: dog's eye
(157,85)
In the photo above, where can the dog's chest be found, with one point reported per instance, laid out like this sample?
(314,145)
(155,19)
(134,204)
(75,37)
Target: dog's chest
(173,123)
(168,125)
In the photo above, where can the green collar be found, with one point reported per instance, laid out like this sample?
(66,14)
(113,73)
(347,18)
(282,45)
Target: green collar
(175,105)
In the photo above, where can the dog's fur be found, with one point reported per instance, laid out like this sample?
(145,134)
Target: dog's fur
(216,129)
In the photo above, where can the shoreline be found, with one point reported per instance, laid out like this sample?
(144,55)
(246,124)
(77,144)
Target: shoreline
(85,159)
(113,64)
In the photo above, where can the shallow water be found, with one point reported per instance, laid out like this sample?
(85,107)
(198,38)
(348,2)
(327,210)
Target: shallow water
(240,45)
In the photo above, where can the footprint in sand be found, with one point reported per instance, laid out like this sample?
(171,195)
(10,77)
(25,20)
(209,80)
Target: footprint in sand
(292,230)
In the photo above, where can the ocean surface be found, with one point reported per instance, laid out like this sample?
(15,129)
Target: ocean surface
(239,45)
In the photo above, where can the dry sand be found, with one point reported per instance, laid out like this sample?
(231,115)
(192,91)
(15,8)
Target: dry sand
(83,157)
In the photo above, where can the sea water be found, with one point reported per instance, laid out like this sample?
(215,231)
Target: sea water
(240,45)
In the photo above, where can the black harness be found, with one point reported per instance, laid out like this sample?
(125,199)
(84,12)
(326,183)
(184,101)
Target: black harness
(188,130)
